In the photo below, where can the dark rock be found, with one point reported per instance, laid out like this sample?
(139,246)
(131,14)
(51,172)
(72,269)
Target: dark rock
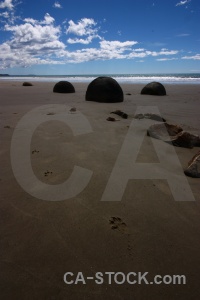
(193,169)
(104,89)
(186,140)
(27,84)
(154,117)
(154,88)
(63,87)
(120,113)
(173,134)
(111,119)
(139,116)
(150,116)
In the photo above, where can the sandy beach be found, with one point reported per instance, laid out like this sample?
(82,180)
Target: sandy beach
(147,231)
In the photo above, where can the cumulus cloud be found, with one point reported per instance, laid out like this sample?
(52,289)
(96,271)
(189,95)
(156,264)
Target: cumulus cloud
(11,58)
(83,27)
(47,20)
(34,42)
(107,50)
(7,4)
(57,5)
(86,41)
(8,15)
(182,2)
(5,15)
(38,42)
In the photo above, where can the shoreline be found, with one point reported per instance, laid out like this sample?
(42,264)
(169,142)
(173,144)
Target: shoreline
(176,78)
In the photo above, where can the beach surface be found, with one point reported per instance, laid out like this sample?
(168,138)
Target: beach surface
(146,230)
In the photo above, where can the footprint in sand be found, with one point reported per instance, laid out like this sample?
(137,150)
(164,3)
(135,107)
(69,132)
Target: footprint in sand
(7,126)
(47,173)
(50,114)
(118,224)
(35,151)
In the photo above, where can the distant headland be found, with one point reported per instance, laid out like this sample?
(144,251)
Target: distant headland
(3,75)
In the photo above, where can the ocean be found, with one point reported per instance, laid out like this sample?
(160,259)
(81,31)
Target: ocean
(181,78)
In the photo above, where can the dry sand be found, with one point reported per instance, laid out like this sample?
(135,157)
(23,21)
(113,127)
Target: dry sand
(41,240)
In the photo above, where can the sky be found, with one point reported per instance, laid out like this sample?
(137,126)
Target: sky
(49,37)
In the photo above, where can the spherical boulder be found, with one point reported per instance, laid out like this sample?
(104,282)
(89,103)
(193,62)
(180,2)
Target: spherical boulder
(154,88)
(63,87)
(27,84)
(104,89)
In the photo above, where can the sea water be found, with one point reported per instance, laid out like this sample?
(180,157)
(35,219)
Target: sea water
(181,78)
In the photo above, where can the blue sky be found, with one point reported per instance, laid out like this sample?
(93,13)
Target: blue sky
(99,37)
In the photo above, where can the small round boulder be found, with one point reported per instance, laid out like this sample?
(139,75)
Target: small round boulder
(27,84)
(63,87)
(154,88)
(104,89)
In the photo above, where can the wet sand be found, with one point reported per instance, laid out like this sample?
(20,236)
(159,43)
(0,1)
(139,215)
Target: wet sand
(147,231)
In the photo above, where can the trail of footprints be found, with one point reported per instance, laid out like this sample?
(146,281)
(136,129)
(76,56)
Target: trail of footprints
(47,173)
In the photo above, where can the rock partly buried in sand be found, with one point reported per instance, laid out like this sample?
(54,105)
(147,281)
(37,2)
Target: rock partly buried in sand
(111,119)
(104,89)
(193,169)
(150,116)
(63,87)
(164,131)
(120,113)
(173,134)
(186,140)
(27,84)
(154,88)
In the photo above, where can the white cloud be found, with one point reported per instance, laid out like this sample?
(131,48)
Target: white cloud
(83,27)
(5,15)
(47,20)
(194,57)
(183,2)
(10,58)
(139,50)
(146,53)
(166,59)
(57,5)
(7,4)
(117,45)
(31,41)
(86,41)
(183,34)
(38,42)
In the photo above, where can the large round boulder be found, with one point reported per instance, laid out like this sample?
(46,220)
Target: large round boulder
(104,89)
(63,87)
(154,88)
